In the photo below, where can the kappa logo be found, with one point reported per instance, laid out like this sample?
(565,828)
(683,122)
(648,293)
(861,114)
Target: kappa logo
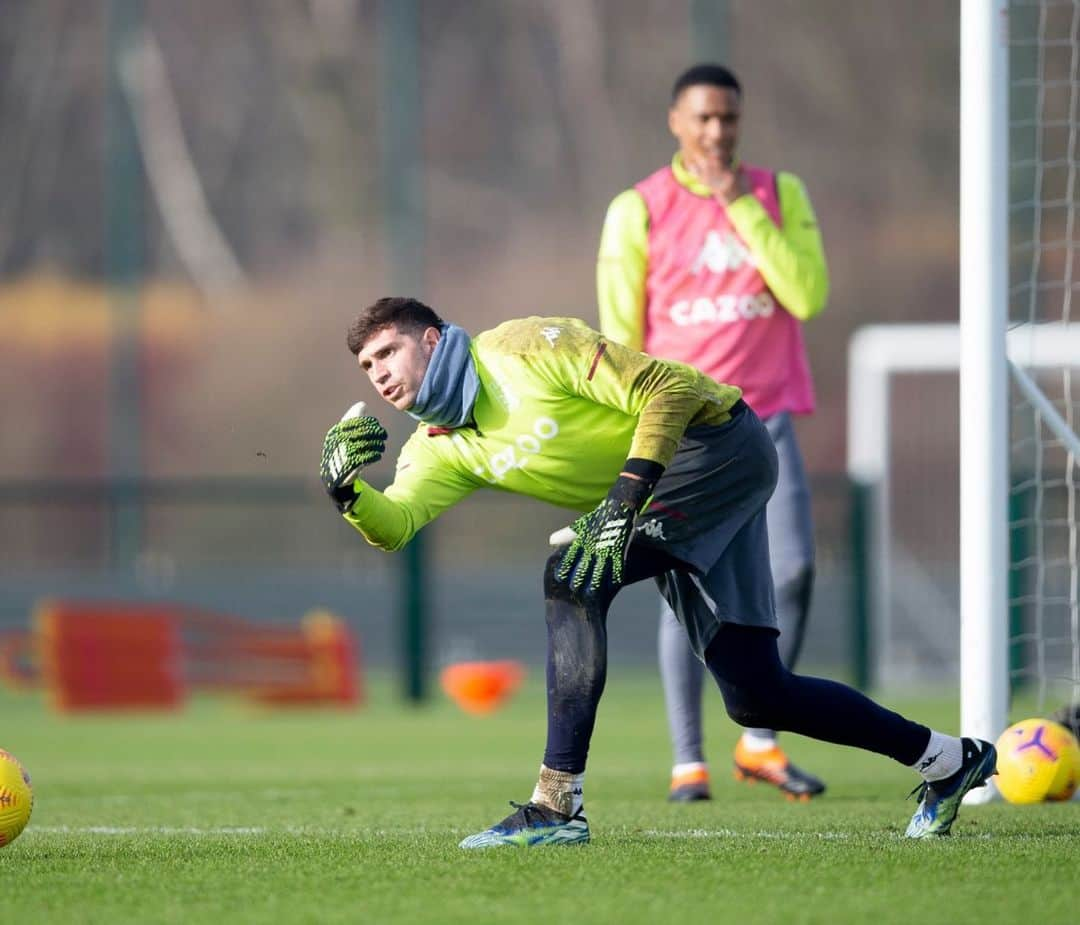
(722,253)
(551,334)
(929,761)
(653,529)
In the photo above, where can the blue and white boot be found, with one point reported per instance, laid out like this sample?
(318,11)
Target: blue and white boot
(532,825)
(940,799)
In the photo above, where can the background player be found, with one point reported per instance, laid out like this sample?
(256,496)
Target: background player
(716,263)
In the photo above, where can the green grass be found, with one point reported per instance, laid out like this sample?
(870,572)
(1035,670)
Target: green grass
(224,815)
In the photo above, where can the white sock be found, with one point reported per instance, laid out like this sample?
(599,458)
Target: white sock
(562,791)
(943,756)
(755,742)
(688,767)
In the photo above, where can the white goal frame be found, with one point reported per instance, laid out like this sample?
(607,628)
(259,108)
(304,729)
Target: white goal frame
(877,354)
(983,351)
(984,387)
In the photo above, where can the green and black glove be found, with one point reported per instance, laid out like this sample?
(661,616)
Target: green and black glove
(593,562)
(351,445)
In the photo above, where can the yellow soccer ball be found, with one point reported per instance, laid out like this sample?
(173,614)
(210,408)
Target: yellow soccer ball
(16,798)
(1037,760)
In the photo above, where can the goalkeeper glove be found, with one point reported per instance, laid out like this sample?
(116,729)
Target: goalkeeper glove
(593,562)
(350,445)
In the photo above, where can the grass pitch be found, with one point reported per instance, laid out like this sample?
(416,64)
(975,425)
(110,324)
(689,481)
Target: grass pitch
(220,814)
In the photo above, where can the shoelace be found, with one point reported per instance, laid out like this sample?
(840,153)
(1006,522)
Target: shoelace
(926,785)
(920,789)
(527,812)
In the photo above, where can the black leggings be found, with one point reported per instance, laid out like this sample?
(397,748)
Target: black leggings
(758,690)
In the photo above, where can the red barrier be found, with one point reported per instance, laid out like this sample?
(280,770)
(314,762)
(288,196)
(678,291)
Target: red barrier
(109,656)
(330,656)
(124,655)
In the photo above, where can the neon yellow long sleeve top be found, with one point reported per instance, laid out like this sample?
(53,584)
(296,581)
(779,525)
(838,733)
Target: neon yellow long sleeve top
(560,409)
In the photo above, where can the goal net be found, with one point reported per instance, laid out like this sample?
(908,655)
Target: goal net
(1044,275)
(1005,454)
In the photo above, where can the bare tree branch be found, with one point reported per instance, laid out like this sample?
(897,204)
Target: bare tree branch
(173,176)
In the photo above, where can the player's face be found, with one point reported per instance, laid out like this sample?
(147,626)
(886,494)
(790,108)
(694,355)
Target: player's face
(705,120)
(395,362)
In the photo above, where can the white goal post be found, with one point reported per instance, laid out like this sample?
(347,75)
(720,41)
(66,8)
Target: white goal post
(1017,350)
(984,442)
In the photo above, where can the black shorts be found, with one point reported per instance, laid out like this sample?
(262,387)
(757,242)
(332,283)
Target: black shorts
(708,511)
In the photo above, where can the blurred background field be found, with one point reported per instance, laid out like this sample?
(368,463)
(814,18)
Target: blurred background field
(174,288)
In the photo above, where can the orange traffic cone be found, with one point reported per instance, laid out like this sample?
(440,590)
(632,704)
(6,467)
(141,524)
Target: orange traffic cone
(481,687)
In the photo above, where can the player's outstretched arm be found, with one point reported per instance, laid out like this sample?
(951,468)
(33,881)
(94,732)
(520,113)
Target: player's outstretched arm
(425,484)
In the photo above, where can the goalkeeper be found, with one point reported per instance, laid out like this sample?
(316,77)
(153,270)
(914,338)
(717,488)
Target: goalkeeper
(673,471)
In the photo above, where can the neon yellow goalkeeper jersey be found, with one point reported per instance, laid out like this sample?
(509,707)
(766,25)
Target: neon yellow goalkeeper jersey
(559,411)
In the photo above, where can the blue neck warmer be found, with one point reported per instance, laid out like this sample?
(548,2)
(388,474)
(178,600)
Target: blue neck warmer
(451,383)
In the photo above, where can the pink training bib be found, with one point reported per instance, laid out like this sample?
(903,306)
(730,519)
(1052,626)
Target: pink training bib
(710,307)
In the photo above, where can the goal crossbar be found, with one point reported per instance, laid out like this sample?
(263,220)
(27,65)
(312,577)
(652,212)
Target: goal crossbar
(878,353)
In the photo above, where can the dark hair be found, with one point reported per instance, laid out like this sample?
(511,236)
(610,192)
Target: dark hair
(408,315)
(713,75)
